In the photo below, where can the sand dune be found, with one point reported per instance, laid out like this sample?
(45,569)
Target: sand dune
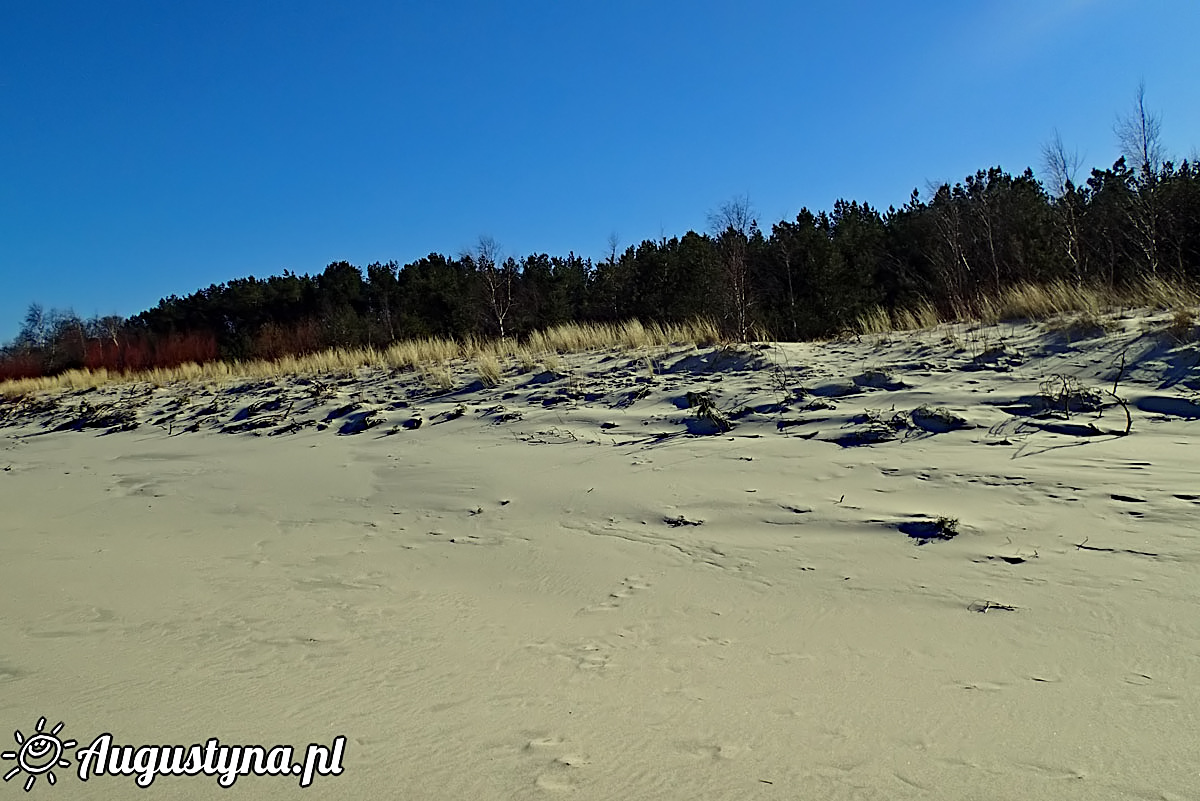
(931,566)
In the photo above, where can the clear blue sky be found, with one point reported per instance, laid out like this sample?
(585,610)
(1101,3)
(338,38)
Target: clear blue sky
(154,148)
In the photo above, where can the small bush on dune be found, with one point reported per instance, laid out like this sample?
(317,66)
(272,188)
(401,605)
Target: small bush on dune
(707,410)
(1182,325)
(1064,394)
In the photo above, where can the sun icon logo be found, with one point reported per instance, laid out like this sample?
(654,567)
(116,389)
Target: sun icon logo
(41,753)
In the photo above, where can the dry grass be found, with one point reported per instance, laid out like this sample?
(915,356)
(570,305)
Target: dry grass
(415,353)
(1083,325)
(879,321)
(489,368)
(526,361)
(432,358)
(1043,301)
(1037,302)
(630,335)
(1182,325)
(438,376)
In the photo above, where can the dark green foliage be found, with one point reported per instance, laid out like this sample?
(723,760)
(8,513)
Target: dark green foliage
(809,277)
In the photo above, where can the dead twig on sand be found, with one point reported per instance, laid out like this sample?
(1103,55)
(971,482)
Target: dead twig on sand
(984,606)
(1083,546)
(1124,404)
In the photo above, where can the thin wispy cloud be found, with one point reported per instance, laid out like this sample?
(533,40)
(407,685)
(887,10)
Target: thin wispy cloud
(1009,34)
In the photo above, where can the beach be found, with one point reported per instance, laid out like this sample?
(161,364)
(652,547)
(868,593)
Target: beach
(941,564)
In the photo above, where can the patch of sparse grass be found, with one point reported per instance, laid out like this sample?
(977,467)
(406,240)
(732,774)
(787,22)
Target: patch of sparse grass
(919,318)
(1031,302)
(875,321)
(438,376)
(1084,325)
(706,409)
(941,528)
(759,333)
(1182,325)
(1043,301)
(880,426)
(526,361)
(948,526)
(1160,293)
(630,335)
(1036,302)
(489,368)
(414,353)
(936,419)
(879,320)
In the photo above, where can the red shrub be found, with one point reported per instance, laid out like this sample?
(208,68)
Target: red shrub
(143,352)
(176,349)
(274,341)
(20,365)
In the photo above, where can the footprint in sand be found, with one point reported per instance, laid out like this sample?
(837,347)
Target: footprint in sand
(557,776)
(560,777)
(629,586)
(591,656)
(703,640)
(542,742)
(587,656)
(703,750)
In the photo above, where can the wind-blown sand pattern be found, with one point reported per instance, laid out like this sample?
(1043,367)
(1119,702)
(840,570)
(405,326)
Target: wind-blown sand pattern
(927,568)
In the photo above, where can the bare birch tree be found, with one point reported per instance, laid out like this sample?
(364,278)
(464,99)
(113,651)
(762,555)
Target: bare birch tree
(1061,167)
(498,279)
(732,225)
(1139,133)
(1062,171)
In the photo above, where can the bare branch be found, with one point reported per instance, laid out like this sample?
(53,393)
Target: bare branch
(498,279)
(1139,133)
(614,243)
(733,225)
(1062,168)
(736,213)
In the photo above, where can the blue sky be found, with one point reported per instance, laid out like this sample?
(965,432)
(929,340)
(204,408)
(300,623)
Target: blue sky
(154,148)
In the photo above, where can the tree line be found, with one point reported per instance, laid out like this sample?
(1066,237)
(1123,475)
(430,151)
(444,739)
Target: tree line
(808,277)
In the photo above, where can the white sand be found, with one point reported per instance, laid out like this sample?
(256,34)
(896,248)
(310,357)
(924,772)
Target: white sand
(494,609)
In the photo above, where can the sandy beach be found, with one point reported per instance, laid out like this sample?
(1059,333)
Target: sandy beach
(924,566)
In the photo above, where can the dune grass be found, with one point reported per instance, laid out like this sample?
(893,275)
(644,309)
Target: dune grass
(880,321)
(1034,302)
(433,358)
